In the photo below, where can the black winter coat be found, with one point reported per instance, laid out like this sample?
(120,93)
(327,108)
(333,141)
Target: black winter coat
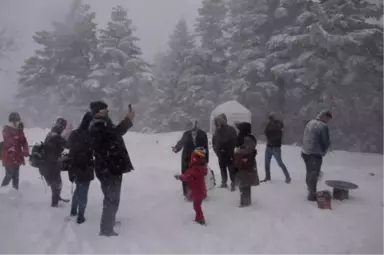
(54,146)
(224,141)
(274,133)
(188,145)
(110,152)
(81,165)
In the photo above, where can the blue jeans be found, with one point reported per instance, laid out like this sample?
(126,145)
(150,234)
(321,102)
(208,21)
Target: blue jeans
(80,198)
(276,153)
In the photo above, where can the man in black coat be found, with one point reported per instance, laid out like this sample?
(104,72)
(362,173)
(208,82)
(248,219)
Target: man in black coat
(111,160)
(274,135)
(224,141)
(81,166)
(190,140)
(50,169)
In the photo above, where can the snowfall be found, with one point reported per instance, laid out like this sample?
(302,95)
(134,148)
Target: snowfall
(156,219)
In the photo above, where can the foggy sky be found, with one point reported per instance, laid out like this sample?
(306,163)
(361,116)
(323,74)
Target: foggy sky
(154,20)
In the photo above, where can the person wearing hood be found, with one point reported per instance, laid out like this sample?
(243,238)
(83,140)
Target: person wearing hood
(316,142)
(190,140)
(224,141)
(245,162)
(81,166)
(194,176)
(14,150)
(111,160)
(50,169)
(274,134)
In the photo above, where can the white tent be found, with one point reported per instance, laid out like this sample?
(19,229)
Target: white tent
(234,111)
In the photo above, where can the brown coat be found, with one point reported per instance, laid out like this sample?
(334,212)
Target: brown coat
(245,162)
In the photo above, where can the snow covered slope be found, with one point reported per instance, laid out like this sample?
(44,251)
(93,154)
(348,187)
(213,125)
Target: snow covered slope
(156,219)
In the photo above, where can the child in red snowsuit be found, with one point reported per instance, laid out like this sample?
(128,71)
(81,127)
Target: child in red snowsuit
(195,177)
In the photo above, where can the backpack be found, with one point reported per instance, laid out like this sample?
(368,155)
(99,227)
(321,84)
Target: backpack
(37,156)
(1,150)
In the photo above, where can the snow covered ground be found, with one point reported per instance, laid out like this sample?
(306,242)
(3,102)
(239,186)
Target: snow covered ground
(156,219)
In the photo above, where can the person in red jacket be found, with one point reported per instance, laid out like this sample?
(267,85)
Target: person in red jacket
(194,176)
(14,149)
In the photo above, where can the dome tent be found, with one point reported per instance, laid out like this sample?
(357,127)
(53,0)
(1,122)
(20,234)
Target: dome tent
(234,111)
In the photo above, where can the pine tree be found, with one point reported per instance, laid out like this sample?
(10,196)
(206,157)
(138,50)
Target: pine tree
(174,79)
(121,69)
(55,73)
(7,45)
(209,58)
(350,79)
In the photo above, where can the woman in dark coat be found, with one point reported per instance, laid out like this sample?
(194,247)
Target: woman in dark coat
(190,140)
(245,163)
(50,169)
(81,167)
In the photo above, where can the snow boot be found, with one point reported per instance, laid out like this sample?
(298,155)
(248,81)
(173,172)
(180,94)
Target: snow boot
(80,219)
(64,200)
(312,196)
(201,222)
(112,233)
(73,213)
(223,186)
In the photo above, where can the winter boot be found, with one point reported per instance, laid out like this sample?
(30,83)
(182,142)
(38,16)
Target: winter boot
(73,212)
(223,186)
(201,222)
(112,233)
(266,180)
(64,200)
(312,196)
(80,219)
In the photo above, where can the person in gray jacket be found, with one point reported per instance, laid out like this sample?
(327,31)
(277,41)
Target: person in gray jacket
(316,141)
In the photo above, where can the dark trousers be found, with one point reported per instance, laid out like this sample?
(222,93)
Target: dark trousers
(185,188)
(111,188)
(199,211)
(184,184)
(313,166)
(276,153)
(226,165)
(56,191)
(245,196)
(11,174)
(80,198)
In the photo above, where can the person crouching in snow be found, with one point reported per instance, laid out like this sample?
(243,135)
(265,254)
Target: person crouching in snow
(194,176)
(245,162)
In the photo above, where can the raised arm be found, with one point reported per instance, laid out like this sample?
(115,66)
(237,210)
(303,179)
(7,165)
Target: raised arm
(122,128)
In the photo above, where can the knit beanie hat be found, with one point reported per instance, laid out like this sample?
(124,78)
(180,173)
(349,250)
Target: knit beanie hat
(200,152)
(97,106)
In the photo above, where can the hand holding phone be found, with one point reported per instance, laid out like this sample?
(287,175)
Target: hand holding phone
(131,113)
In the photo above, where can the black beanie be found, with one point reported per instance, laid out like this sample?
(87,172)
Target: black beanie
(97,106)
